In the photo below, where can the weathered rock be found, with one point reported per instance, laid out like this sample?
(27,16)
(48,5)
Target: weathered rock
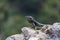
(56,31)
(40,35)
(32,34)
(48,32)
(33,38)
(45,28)
(16,37)
(28,31)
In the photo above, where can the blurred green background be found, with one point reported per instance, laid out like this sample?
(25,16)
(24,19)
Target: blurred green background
(13,12)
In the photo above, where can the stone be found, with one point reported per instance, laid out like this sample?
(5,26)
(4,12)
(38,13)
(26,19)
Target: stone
(16,37)
(47,32)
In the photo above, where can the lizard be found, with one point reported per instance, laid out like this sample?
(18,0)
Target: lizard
(34,23)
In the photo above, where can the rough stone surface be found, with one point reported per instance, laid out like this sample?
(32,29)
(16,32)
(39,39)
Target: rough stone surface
(47,32)
(16,37)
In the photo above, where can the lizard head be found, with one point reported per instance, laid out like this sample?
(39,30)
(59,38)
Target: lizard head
(29,18)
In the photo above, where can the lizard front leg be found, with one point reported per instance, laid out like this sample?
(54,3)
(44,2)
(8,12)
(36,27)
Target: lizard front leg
(33,25)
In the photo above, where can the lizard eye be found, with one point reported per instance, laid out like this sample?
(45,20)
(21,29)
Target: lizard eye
(31,18)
